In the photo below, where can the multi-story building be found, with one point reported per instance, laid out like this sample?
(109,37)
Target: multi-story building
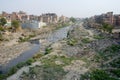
(33,20)
(33,24)
(62,18)
(49,18)
(108,18)
(111,19)
(21,16)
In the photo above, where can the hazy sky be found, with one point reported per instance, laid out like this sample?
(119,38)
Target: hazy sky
(75,8)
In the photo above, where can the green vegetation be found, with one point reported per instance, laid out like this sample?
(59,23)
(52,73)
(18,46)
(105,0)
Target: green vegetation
(21,39)
(1,37)
(116,72)
(3,21)
(50,69)
(15,24)
(73,19)
(115,63)
(107,53)
(86,40)
(48,50)
(109,70)
(20,65)
(32,35)
(98,37)
(51,61)
(97,75)
(107,28)
(52,72)
(72,42)
(37,56)
(112,49)
(24,39)
(61,25)
(2,29)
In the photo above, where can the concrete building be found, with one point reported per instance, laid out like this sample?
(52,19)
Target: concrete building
(20,16)
(33,24)
(48,18)
(109,18)
(62,19)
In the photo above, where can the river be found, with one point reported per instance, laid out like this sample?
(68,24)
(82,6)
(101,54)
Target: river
(53,37)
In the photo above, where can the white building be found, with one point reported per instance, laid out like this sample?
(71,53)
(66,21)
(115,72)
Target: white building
(33,24)
(8,24)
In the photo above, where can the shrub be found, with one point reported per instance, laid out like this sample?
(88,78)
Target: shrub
(98,75)
(98,37)
(1,37)
(86,40)
(29,61)
(3,21)
(71,42)
(48,50)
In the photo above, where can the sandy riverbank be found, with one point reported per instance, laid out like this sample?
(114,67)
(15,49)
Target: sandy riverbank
(8,53)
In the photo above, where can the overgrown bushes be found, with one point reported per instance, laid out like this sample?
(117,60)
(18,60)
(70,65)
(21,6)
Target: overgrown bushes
(72,42)
(48,50)
(86,40)
(97,75)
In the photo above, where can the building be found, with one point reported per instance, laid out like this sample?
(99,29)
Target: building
(33,24)
(48,18)
(109,18)
(20,16)
(62,18)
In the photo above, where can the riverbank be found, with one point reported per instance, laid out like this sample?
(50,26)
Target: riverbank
(17,42)
(74,57)
(8,53)
(47,37)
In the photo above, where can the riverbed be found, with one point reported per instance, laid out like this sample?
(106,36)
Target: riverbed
(53,37)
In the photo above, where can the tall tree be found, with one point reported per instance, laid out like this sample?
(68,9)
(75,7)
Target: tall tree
(3,21)
(15,24)
(107,27)
(72,19)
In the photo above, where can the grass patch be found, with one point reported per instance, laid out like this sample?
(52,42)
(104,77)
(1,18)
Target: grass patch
(108,53)
(48,50)
(86,40)
(50,70)
(98,37)
(45,72)
(52,59)
(112,49)
(1,37)
(116,72)
(72,42)
(24,39)
(97,75)
(61,25)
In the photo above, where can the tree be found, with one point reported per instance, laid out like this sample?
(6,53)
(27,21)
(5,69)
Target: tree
(107,27)
(72,19)
(3,21)
(15,24)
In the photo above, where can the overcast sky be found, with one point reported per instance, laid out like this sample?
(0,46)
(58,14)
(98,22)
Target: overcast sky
(75,8)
